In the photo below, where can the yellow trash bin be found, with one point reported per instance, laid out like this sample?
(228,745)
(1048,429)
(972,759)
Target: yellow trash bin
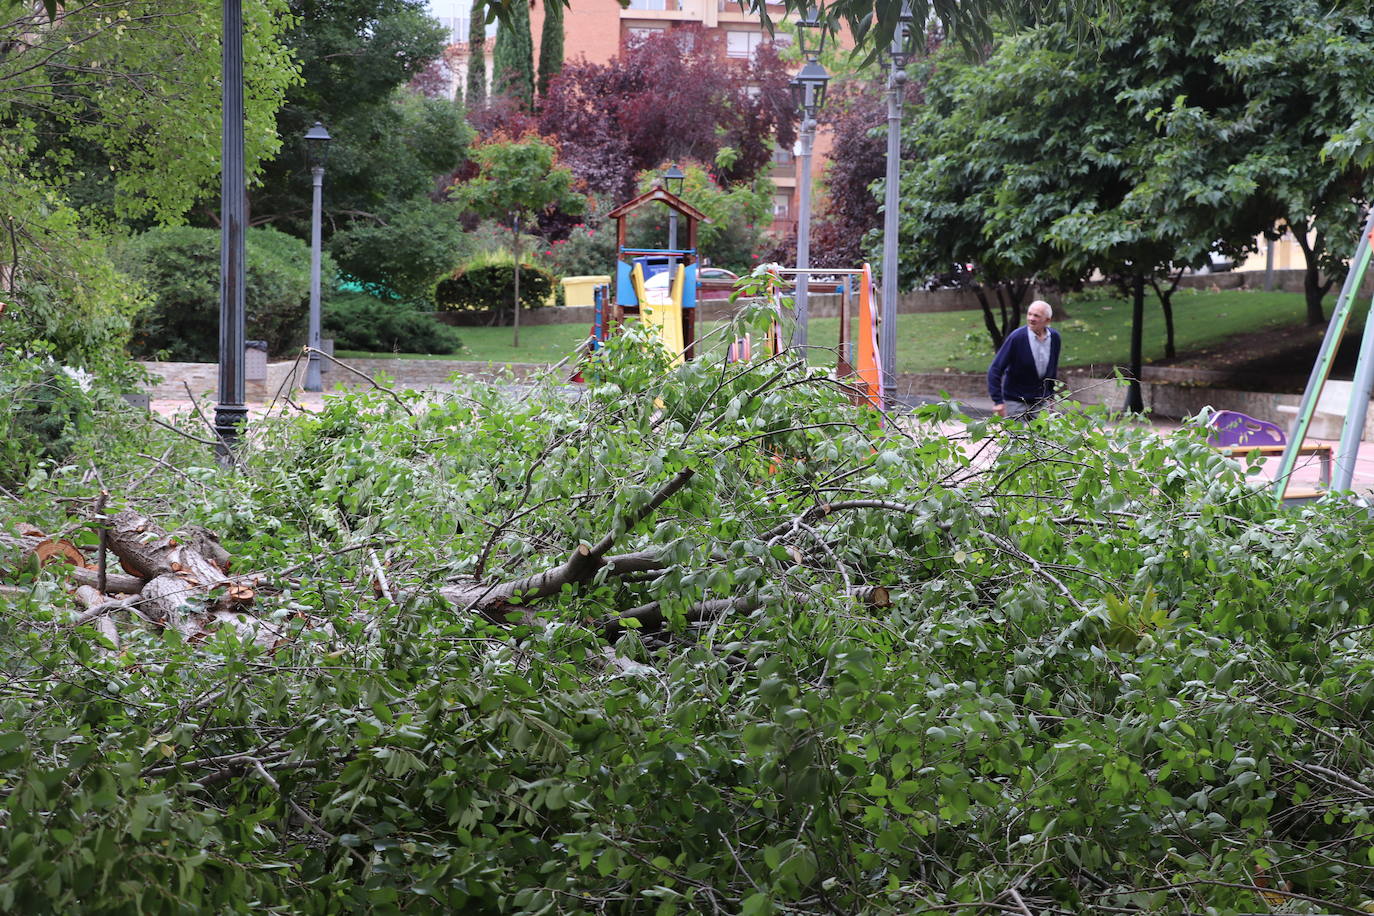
(580,290)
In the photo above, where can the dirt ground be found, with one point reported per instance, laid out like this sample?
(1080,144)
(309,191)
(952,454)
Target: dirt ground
(1279,360)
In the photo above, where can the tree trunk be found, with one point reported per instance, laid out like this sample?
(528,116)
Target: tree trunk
(989,320)
(550,45)
(1135,403)
(1166,304)
(1312,286)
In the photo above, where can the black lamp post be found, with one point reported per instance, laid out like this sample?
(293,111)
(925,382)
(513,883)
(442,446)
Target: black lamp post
(316,152)
(231,410)
(808,92)
(673,179)
(898,55)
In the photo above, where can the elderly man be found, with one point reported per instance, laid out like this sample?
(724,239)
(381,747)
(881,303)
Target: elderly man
(1023,373)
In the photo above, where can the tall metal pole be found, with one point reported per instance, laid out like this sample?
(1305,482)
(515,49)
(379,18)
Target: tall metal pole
(1268,265)
(312,365)
(515,247)
(231,410)
(1353,430)
(808,137)
(887,334)
(672,229)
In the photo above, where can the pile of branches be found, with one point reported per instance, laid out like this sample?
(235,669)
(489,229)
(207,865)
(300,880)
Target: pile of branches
(708,639)
(180,582)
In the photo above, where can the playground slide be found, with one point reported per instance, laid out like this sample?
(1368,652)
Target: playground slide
(866,372)
(663,314)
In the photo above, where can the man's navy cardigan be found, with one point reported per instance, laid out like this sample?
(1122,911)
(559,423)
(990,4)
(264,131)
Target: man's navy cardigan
(1012,375)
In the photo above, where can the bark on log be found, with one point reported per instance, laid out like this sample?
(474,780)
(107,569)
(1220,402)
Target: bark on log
(141,544)
(106,627)
(169,601)
(206,543)
(650,616)
(115,583)
(194,557)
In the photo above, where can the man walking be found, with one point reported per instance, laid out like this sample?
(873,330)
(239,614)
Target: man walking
(1023,373)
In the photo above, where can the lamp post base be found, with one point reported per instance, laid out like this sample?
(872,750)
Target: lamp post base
(229,419)
(313,381)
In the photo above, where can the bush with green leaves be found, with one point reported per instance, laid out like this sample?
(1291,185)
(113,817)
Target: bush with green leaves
(358,321)
(180,268)
(406,252)
(707,639)
(487,282)
(54,412)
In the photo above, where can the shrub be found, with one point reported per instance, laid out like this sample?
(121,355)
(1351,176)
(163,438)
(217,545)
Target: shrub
(488,282)
(419,243)
(358,321)
(180,268)
(51,410)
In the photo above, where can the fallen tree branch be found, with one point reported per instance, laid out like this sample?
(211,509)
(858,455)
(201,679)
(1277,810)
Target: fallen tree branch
(650,616)
(117,583)
(580,567)
(362,375)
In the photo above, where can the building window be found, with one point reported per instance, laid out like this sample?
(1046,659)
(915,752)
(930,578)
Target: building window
(742,44)
(636,34)
(782,205)
(782,156)
(745,44)
(653,4)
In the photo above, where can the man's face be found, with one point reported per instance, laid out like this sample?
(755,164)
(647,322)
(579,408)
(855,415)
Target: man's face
(1037,318)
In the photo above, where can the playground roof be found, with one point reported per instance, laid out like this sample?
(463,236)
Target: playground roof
(653,194)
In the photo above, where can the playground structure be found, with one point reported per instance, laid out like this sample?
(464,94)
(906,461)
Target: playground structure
(672,313)
(671,308)
(1357,407)
(857,358)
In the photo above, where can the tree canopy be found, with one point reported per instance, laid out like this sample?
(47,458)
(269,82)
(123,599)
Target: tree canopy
(664,99)
(1133,156)
(388,146)
(520,176)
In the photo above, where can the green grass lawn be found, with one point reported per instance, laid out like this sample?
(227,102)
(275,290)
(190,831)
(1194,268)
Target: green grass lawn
(1096,331)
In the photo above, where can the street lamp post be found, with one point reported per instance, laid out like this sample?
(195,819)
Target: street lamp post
(515,251)
(231,410)
(317,150)
(673,180)
(808,92)
(899,54)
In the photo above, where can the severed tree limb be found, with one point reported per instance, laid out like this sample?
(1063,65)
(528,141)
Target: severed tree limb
(96,604)
(583,564)
(650,616)
(362,375)
(117,583)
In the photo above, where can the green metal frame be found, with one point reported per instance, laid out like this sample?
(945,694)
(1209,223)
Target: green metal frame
(1335,330)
